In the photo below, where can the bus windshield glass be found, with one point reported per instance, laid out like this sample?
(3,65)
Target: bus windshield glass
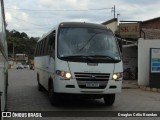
(83,44)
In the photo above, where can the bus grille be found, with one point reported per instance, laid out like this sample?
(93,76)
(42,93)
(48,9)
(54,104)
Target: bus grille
(92,80)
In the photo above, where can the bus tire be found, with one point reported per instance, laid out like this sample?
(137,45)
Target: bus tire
(109,99)
(40,87)
(53,97)
(0,108)
(6,92)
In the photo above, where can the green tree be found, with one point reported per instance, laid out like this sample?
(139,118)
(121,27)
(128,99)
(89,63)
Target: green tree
(21,43)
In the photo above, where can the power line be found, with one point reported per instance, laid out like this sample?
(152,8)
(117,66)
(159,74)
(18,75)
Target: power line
(36,10)
(30,23)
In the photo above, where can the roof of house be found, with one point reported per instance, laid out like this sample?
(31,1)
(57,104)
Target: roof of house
(109,21)
(158,18)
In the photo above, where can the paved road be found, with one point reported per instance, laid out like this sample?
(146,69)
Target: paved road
(23,95)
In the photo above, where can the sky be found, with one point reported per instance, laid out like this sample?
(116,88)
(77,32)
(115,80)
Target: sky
(37,17)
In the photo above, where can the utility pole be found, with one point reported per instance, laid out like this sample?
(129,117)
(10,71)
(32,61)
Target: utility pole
(13,55)
(114,10)
(117,17)
(13,49)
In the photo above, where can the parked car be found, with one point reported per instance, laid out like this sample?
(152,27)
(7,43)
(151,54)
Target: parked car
(26,66)
(19,66)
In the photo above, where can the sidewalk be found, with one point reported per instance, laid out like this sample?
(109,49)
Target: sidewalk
(130,84)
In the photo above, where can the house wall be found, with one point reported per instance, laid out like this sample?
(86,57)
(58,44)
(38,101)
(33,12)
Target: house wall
(144,58)
(112,26)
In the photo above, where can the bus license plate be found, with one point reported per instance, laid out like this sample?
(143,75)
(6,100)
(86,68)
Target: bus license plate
(92,84)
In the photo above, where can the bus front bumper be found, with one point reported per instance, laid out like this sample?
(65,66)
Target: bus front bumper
(71,86)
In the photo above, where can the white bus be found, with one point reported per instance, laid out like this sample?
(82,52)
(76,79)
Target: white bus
(3,59)
(81,59)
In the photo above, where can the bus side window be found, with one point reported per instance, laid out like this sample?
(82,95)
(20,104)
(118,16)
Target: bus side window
(35,54)
(38,51)
(52,45)
(41,48)
(46,49)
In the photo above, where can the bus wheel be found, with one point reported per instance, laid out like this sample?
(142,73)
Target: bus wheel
(40,87)
(109,99)
(0,106)
(53,97)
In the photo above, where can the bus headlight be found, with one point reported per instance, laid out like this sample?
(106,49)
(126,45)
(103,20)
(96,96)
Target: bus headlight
(117,76)
(68,75)
(64,74)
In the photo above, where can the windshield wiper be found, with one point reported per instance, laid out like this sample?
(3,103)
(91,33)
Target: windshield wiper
(79,56)
(104,56)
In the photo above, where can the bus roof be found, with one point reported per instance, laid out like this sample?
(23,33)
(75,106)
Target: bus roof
(75,24)
(81,24)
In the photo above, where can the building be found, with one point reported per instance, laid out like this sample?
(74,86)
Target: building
(151,28)
(111,24)
(136,50)
(23,58)
(129,47)
(151,35)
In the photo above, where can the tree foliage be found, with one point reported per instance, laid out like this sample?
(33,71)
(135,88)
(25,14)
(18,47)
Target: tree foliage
(20,43)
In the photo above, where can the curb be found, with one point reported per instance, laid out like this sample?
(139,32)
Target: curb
(146,88)
(129,85)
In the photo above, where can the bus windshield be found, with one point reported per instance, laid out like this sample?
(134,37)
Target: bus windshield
(82,44)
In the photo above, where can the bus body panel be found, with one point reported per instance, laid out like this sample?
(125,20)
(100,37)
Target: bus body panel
(91,67)
(42,67)
(3,81)
(74,67)
(60,87)
(3,59)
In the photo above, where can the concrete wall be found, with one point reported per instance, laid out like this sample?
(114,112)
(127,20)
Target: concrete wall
(143,59)
(112,26)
